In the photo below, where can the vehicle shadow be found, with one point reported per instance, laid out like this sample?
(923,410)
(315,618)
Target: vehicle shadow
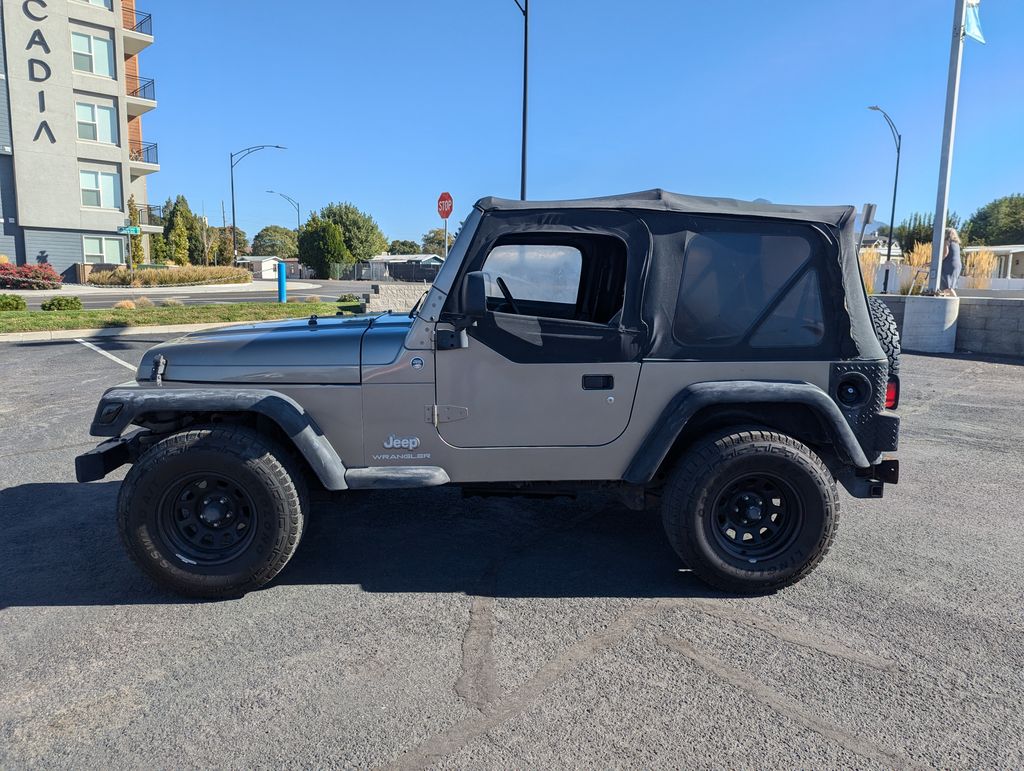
(61,547)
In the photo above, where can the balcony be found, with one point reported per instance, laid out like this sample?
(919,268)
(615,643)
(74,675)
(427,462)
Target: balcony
(151,218)
(138,30)
(142,158)
(140,95)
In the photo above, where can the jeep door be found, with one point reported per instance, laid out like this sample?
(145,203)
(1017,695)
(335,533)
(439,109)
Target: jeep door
(555,360)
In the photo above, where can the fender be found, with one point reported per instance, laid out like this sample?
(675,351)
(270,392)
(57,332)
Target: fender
(697,396)
(122,405)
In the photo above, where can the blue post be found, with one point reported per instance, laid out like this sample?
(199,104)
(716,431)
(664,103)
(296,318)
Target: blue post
(282,275)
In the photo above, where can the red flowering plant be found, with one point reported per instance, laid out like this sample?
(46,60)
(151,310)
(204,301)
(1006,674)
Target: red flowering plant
(41,276)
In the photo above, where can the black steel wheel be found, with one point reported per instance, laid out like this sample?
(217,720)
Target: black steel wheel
(213,512)
(750,511)
(207,518)
(757,517)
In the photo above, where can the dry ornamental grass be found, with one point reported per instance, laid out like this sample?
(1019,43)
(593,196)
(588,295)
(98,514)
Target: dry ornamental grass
(980,266)
(190,274)
(869,261)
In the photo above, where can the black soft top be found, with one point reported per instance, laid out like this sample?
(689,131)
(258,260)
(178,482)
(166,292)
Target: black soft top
(662,200)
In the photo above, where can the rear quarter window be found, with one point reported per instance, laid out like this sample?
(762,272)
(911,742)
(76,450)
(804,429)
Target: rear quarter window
(750,284)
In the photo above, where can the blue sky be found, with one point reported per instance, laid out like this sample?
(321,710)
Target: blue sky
(387,103)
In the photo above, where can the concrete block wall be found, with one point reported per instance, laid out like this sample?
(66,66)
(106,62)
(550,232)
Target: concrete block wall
(985,325)
(395,296)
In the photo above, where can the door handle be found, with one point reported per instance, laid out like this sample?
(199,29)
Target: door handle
(598,382)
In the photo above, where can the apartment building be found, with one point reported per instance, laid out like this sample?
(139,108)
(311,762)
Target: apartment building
(72,151)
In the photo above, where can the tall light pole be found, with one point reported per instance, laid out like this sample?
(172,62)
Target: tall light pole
(236,157)
(524,7)
(293,202)
(956,55)
(898,139)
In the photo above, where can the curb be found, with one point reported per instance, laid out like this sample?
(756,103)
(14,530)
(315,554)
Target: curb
(73,334)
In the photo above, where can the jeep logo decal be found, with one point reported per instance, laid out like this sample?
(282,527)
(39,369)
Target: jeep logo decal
(401,442)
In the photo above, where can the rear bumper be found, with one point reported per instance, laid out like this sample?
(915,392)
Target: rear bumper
(871,482)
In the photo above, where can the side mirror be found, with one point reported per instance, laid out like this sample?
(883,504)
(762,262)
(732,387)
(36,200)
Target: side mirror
(474,295)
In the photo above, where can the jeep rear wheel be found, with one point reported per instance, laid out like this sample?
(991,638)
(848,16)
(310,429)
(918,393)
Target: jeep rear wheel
(751,511)
(212,512)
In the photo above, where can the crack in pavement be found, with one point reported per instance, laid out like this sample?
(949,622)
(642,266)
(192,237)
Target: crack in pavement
(784,705)
(463,732)
(796,637)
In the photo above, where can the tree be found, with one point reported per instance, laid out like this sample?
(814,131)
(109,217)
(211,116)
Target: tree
(362,236)
(137,253)
(159,252)
(178,242)
(999,222)
(403,247)
(917,229)
(220,248)
(321,244)
(276,241)
(433,242)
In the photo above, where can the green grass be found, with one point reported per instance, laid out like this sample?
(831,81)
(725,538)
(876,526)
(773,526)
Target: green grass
(41,321)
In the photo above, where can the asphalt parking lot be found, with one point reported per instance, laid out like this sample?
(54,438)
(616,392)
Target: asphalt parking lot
(416,628)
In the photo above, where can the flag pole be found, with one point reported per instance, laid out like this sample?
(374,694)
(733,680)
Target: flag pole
(956,54)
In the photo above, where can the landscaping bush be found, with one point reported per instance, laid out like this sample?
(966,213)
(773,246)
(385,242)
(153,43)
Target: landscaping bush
(11,302)
(125,305)
(869,262)
(62,304)
(190,274)
(350,298)
(41,276)
(980,266)
(143,302)
(171,302)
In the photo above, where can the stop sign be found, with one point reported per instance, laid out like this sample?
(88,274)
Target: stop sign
(444,205)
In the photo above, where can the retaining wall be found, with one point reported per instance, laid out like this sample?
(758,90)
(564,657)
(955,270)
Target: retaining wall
(394,296)
(985,325)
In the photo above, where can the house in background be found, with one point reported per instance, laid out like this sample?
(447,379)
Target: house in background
(1010,259)
(265,268)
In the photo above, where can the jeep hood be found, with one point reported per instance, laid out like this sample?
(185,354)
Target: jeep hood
(327,350)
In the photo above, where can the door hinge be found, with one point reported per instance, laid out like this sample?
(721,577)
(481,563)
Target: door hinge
(435,414)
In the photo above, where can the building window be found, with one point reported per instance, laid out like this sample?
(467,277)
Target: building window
(92,54)
(96,122)
(103,250)
(100,189)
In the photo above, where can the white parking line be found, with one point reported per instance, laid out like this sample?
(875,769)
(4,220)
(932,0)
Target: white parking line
(110,356)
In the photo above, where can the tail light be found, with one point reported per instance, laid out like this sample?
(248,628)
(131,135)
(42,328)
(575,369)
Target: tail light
(892,393)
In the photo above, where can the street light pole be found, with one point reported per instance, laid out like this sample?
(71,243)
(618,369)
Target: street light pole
(236,157)
(898,139)
(524,7)
(293,202)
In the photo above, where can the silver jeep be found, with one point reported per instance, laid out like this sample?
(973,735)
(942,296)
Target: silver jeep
(715,357)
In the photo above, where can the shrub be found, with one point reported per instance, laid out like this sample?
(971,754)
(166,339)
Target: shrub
(12,302)
(869,261)
(980,266)
(192,274)
(312,298)
(171,302)
(294,299)
(62,304)
(350,298)
(125,305)
(143,302)
(919,258)
(41,276)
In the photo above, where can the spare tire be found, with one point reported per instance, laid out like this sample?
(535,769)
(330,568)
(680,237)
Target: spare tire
(887,333)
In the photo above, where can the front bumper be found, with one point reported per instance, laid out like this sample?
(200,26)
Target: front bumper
(107,456)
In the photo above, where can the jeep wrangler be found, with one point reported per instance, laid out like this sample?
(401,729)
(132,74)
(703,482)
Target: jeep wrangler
(715,357)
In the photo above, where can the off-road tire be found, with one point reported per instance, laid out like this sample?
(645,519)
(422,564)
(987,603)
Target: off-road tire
(266,475)
(887,332)
(692,508)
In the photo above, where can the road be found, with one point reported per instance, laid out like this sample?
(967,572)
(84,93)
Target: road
(416,628)
(325,290)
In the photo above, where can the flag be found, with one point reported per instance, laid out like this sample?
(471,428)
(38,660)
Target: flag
(972,24)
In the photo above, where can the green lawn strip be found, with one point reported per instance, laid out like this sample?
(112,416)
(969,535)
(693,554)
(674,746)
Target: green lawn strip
(41,321)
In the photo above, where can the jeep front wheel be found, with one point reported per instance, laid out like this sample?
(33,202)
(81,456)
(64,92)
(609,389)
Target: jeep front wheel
(212,512)
(751,511)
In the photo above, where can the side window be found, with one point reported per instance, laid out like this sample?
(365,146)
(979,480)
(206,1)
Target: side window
(797,321)
(730,278)
(544,280)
